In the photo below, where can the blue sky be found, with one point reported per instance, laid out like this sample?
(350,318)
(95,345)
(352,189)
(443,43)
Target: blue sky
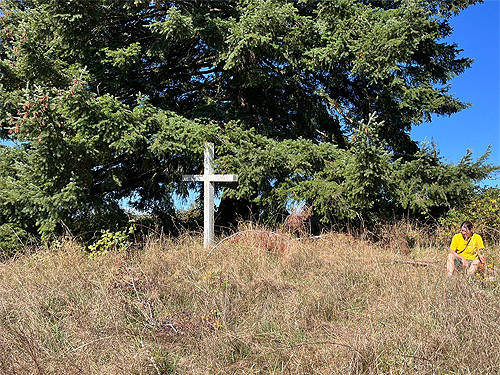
(477,33)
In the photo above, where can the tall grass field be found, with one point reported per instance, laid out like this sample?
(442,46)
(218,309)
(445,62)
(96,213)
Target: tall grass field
(257,303)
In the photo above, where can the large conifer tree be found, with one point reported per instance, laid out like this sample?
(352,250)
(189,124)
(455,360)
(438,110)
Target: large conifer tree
(112,99)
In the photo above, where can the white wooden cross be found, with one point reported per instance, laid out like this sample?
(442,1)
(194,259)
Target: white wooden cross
(209,178)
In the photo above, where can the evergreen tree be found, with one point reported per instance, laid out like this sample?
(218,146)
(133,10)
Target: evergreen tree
(106,100)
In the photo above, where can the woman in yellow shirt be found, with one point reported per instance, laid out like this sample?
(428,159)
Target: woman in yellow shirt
(465,250)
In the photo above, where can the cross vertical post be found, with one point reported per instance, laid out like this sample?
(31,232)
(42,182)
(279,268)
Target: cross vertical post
(209,197)
(209,178)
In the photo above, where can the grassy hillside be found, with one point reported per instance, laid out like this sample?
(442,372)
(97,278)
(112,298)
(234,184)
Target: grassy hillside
(256,304)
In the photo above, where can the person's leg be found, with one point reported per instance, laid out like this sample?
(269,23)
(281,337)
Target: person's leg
(450,264)
(473,267)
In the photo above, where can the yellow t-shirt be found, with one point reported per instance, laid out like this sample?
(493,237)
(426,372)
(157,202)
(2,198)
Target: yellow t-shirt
(468,251)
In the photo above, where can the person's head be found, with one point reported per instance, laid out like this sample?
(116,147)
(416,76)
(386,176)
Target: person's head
(466,229)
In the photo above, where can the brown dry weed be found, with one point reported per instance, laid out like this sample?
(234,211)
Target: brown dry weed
(257,304)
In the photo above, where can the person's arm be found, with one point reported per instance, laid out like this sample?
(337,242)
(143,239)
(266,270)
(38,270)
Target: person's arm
(480,250)
(481,256)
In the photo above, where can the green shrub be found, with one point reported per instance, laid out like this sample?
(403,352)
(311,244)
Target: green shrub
(483,211)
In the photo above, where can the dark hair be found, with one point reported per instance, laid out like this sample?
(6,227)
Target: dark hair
(467,224)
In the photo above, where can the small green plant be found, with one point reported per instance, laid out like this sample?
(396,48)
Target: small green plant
(213,319)
(215,281)
(109,241)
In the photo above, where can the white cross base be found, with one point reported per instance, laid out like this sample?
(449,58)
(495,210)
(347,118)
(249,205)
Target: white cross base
(209,180)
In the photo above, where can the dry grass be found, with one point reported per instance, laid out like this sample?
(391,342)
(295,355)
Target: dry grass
(330,305)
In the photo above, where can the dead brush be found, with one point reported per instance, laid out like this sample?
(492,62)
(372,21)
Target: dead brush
(400,237)
(297,222)
(336,304)
(262,238)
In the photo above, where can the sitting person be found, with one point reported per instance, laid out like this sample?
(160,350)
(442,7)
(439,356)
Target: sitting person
(466,250)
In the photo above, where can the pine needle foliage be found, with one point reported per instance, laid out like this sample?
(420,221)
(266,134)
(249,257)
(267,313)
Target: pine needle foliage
(105,102)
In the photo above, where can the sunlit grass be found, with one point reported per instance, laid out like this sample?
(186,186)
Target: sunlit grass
(335,304)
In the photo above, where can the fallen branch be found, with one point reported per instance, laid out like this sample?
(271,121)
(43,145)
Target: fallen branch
(311,237)
(414,263)
(490,228)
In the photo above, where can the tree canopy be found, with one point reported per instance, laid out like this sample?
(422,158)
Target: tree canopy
(112,100)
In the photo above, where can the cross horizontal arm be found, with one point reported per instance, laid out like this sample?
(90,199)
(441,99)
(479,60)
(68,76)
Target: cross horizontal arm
(192,177)
(223,177)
